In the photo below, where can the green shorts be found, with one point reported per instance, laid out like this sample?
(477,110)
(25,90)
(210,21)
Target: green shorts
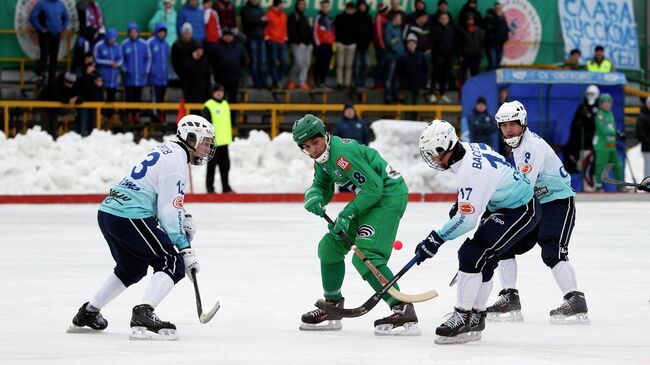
(373,231)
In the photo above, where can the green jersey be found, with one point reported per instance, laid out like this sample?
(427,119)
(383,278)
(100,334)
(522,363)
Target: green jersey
(605,136)
(360,169)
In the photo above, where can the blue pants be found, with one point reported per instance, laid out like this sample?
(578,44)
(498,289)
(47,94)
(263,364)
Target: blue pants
(278,59)
(497,233)
(136,244)
(552,234)
(257,52)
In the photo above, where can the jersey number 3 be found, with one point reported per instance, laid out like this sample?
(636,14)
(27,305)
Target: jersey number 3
(151,160)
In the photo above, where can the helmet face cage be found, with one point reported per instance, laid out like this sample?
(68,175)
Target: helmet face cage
(438,139)
(512,112)
(197,134)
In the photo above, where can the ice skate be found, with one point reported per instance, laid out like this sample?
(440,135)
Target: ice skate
(507,308)
(455,329)
(477,325)
(145,325)
(87,321)
(319,320)
(403,322)
(572,311)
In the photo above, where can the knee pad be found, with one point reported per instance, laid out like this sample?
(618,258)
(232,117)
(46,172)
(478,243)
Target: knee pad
(131,277)
(550,254)
(468,255)
(331,251)
(488,270)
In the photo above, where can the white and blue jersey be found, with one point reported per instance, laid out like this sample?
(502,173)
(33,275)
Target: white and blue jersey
(155,186)
(485,179)
(537,160)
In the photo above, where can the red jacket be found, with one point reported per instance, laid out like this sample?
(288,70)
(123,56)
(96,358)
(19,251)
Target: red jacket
(212,26)
(276,28)
(323,30)
(380,23)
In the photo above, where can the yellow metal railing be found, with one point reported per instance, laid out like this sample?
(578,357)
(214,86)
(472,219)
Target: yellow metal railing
(274,110)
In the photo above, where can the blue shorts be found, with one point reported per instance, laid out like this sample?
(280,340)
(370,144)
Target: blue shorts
(136,244)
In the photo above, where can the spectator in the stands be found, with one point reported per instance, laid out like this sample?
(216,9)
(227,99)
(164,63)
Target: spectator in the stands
(482,126)
(212,34)
(276,37)
(253,22)
(643,134)
(136,67)
(380,47)
(351,126)
(583,127)
(300,38)
(50,18)
(217,111)
(394,50)
(191,67)
(471,49)
(420,7)
(159,75)
(324,39)
(470,8)
(108,56)
(444,40)
(91,20)
(230,61)
(396,7)
(496,35)
(227,15)
(503,95)
(573,62)
(412,72)
(345,30)
(91,88)
(599,63)
(443,7)
(166,14)
(364,31)
(421,29)
(65,90)
(192,13)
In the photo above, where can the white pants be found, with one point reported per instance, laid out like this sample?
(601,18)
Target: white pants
(344,62)
(301,58)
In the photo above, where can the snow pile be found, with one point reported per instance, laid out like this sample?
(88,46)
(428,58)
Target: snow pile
(34,163)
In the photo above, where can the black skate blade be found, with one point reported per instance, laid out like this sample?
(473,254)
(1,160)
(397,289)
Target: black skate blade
(84,329)
(343,312)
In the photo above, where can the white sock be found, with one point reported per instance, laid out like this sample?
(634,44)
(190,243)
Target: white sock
(565,277)
(159,286)
(111,288)
(508,273)
(480,303)
(468,288)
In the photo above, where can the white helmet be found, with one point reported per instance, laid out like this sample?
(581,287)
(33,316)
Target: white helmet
(591,94)
(438,138)
(197,134)
(513,111)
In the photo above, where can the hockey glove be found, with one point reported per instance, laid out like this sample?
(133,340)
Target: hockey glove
(191,263)
(645,184)
(428,247)
(342,223)
(188,227)
(314,204)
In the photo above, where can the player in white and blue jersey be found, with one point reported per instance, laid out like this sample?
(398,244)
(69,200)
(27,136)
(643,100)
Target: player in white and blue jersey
(489,191)
(552,185)
(145,224)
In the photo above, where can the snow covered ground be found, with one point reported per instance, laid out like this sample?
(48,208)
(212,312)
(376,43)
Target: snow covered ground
(259,261)
(35,164)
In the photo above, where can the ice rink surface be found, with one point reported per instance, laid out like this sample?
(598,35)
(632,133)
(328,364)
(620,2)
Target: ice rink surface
(260,262)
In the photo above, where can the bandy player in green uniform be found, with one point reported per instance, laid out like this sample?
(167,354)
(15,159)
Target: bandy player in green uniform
(371,219)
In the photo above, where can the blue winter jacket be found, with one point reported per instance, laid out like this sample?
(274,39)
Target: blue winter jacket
(356,129)
(159,50)
(394,43)
(105,55)
(137,59)
(194,16)
(56,16)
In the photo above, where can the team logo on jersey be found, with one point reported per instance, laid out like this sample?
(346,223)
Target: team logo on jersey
(343,164)
(392,173)
(526,168)
(466,208)
(178,202)
(365,231)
